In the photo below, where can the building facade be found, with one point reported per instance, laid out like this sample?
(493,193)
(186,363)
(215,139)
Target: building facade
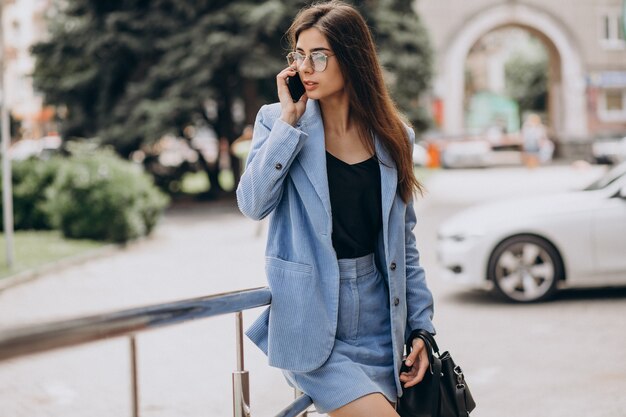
(23,24)
(587,53)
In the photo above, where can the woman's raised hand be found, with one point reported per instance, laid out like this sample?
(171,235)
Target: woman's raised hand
(291,112)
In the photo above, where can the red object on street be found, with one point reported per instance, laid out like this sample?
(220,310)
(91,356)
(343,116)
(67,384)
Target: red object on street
(433,155)
(438,111)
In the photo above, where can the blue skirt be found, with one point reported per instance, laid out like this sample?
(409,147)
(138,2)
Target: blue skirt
(361,361)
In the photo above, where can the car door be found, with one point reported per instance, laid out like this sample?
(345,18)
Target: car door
(609,237)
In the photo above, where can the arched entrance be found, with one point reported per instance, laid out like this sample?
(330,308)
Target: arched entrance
(567,112)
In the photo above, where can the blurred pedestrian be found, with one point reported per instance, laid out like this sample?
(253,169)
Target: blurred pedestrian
(546,151)
(224,154)
(534,135)
(335,170)
(241,146)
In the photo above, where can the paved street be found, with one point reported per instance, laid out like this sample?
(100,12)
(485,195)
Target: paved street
(563,358)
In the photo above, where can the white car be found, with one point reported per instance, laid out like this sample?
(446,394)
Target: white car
(467,154)
(28,148)
(524,250)
(420,155)
(609,151)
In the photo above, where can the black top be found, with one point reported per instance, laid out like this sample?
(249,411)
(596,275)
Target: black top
(355,204)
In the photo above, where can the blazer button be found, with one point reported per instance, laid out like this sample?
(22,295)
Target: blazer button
(392,266)
(396,301)
(278,166)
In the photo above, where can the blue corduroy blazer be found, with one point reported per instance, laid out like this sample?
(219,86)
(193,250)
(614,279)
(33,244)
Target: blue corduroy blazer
(285,177)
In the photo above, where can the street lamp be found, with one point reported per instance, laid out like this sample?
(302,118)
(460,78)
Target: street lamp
(7,192)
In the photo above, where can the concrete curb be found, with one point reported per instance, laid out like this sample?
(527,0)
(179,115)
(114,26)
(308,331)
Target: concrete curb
(109,249)
(31,274)
(55,266)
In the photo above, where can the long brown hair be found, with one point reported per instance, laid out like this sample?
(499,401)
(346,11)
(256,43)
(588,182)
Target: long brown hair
(371,106)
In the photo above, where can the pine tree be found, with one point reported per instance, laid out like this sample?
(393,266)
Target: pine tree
(130,71)
(405,52)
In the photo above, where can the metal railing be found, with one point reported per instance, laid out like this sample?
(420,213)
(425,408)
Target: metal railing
(15,343)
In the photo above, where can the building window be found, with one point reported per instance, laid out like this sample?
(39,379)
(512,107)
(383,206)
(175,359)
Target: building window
(614,100)
(611,30)
(612,105)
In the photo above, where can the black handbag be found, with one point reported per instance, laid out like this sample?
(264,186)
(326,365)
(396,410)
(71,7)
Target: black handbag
(443,392)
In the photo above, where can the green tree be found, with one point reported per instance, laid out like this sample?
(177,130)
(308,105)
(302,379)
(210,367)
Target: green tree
(130,71)
(527,82)
(405,52)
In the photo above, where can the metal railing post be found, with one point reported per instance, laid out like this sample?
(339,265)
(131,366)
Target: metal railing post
(241,387)
(133,376)
(297,394)
(44,337)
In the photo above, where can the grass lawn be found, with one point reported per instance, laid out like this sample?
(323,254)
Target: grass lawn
(36,248)
(198,182)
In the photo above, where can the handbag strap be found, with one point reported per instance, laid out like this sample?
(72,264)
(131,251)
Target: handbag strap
(424,335)
(459,395)
(435,367)
(434,387)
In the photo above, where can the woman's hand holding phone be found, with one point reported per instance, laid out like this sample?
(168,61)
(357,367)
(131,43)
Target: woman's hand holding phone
(291,112)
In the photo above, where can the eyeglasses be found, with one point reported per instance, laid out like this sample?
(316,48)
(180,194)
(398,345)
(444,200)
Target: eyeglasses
(319,60)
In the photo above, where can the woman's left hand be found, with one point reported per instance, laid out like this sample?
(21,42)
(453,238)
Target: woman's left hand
(418,362)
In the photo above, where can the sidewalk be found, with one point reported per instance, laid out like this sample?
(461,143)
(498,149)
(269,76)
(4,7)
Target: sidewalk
(184,370)
(211,248)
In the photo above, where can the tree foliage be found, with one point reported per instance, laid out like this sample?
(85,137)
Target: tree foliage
(527,82)
(130,71)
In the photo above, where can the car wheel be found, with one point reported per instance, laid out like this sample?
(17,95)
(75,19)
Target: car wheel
(525,269)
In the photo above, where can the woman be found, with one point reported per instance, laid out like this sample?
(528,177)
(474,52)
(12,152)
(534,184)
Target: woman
(534,137)
(334,170)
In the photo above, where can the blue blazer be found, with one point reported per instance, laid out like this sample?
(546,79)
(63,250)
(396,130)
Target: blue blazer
(286,177)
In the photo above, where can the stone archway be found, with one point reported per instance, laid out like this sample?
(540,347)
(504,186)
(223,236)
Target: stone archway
(568,91)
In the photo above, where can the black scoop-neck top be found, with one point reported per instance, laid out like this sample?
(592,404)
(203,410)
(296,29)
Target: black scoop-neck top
(355,205)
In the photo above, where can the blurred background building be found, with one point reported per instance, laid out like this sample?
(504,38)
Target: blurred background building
(585,65)
(495,62)
(23,22)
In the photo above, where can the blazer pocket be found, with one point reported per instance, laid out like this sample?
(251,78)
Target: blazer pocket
(292,315)
(273,262)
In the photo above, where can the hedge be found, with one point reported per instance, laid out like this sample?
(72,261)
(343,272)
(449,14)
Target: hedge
(31,178)
(95,195)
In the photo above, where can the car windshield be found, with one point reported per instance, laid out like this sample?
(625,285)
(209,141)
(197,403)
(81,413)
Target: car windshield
(607,179)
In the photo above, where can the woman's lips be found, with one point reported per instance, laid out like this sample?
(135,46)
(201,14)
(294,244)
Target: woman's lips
(309,85)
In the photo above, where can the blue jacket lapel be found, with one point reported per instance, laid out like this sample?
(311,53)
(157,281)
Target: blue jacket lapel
(312,156)
(388,179)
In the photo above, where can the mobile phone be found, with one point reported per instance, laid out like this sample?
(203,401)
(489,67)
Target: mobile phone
(296,88)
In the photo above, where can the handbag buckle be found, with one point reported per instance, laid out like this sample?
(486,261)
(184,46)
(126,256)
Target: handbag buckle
(459,376)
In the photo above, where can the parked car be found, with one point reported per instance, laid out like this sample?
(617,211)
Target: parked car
(28,148)
(525,249)
(467,154)
(420,155)
(609,151)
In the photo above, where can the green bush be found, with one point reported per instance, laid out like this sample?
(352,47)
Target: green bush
(93,194)
(97,195)
(31,178)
